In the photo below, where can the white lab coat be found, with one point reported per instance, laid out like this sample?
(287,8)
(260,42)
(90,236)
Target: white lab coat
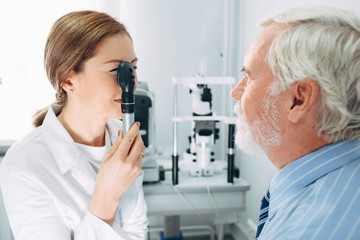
(47,186)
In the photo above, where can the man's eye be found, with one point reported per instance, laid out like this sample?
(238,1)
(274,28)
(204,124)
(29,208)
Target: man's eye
(246,79)
(135,67)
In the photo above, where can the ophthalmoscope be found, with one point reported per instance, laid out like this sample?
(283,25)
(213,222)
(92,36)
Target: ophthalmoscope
(126,80)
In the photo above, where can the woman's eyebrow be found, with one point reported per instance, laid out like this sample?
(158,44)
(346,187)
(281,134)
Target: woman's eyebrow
(118,61)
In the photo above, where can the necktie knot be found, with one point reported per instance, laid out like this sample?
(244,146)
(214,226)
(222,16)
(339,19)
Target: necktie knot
(264,210)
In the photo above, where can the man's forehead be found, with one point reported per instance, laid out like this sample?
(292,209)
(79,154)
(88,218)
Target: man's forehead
(260,47)
(263,42)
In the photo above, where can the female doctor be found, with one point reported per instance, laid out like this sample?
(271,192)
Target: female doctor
(75,176)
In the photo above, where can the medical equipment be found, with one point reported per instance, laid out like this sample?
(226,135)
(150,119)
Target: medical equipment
(204,133)
(144,113)
(125,78)
(199,158)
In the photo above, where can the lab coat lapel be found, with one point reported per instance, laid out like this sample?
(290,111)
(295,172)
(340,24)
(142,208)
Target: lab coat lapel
(66,154)
(85,175)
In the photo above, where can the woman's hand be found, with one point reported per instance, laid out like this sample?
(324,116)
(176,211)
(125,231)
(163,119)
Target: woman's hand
(122,164)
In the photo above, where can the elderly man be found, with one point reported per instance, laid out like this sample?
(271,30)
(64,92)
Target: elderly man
(299,102)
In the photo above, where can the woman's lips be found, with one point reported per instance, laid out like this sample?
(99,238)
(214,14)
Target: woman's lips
(118,100)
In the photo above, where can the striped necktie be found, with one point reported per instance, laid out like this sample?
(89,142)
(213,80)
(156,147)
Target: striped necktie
(264,210)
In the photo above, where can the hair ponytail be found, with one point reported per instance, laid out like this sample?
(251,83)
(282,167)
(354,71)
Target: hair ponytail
(39,116)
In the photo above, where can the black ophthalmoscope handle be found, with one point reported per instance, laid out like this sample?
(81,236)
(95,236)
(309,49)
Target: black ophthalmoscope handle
(125,78)
(231,154)
(175,169)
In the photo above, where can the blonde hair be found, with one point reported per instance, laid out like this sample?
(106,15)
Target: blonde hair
(322,44)
(72,40)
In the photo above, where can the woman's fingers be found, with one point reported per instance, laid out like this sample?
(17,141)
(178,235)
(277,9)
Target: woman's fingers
(116,144)
(127,142)
(138,148)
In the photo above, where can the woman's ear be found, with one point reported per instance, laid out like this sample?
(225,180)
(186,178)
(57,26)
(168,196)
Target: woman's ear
(68,84)
(303,99)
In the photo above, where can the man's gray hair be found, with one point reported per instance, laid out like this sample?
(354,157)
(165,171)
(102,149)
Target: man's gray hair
(322,44)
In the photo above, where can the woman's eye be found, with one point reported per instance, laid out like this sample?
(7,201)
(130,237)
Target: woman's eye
(115,69)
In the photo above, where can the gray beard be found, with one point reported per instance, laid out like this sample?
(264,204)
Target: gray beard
(264,133)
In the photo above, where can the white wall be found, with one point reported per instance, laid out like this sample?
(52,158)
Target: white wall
(24,27)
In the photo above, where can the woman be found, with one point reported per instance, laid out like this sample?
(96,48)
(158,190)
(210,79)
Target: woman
(75,176)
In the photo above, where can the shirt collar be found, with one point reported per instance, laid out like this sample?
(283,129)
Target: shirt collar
(61,144)
(307,169)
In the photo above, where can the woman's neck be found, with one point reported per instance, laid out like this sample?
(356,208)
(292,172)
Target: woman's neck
(83,128)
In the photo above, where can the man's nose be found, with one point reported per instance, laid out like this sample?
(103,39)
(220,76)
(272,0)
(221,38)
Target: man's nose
(238,90)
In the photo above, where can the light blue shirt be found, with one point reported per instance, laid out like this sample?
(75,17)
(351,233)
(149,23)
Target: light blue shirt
(317,196)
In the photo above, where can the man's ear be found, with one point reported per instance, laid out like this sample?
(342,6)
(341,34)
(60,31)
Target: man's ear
(303,98)
(68,85)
